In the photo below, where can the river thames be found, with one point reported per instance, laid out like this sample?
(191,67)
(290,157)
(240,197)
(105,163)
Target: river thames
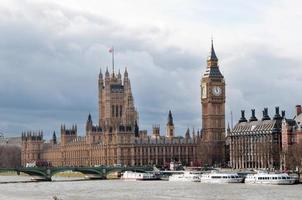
(64,189)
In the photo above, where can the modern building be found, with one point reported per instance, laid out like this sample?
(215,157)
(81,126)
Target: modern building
(213,96)
(116,139)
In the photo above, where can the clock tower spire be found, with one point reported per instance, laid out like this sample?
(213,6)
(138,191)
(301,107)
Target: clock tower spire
(213,112)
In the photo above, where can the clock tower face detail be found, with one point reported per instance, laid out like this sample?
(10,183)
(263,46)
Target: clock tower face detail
(213,112)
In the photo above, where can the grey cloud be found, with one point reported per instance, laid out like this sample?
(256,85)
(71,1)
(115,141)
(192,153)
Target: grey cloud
(50,58)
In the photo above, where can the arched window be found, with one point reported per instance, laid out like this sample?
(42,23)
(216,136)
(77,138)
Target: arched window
(112,109)
(121,110)
(116,110)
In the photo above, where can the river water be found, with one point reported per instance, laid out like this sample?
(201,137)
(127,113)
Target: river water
(140,190)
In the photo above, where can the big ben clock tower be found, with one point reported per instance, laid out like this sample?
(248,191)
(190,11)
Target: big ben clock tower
(213,112)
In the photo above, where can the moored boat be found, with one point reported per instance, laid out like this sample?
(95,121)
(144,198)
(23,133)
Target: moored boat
(186,176)
(139,176)
(267,178)
(217,177)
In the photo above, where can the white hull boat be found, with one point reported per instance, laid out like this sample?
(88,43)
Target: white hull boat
(186,176)
(216,177)
(266,178)
(139,176)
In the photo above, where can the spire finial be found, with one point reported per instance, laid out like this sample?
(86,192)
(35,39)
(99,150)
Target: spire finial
(126,72)
(111,50)
(213,54)
(89,118)
(212,40)
(212,59)
(107,72)
(100,74)
(170,119)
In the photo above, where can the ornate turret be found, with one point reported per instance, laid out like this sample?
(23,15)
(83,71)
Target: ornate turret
(32,144)
(100,74)
(126,73)
(170,119)
(187,135)
(193,133)
(212,65)
(89,123)
(116,103)
(212,59)
(119,77)
(170,126)
(54,138)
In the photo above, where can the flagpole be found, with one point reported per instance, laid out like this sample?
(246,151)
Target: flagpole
(112,60)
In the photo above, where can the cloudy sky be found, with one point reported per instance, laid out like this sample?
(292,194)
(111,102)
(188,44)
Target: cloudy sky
(51,53)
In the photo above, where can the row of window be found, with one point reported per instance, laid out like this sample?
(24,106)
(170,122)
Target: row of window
(273,178)
(116,110)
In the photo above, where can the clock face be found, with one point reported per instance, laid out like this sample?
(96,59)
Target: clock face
(216,90)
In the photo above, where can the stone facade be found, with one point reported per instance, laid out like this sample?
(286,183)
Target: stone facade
(265,143)
(256,143)
(213,97)
(116,139)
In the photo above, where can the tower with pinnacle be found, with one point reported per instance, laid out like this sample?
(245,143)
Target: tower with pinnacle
(170,126)
(116,104)
(213,111)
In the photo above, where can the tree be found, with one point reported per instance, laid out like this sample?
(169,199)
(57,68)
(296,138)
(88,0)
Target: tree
(10,156)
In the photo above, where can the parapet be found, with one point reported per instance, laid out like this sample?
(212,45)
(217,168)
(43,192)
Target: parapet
(32,136)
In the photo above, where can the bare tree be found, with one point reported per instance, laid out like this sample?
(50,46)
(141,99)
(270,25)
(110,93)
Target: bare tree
(10,156)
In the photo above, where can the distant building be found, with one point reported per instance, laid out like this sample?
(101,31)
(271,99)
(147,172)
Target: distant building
(256,143)
(116,139)
(291,137)
(266,143)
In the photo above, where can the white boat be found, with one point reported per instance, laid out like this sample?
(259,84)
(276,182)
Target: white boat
(186,176)
(217,177)
(139,176)
(266,178)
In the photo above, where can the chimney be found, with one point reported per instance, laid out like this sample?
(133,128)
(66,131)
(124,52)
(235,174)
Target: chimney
(253,117)
(298,110)
(265,115)
(283,114)
(277,114)
(242,119)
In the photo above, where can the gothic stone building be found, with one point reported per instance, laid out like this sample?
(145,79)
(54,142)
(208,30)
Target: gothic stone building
(116,139)
(213,97)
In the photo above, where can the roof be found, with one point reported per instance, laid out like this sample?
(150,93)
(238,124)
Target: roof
(257,127)
(212,55)
(290,122)
(213,72)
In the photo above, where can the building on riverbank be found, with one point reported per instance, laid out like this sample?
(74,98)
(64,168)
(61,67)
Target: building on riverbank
(256,143)
(265,143)
(116,139)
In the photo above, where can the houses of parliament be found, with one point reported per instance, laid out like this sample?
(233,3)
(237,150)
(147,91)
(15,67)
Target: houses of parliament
(115,138)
